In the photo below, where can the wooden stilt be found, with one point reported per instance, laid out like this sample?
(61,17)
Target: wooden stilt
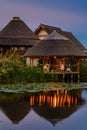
(63,77)
(78,78)
(71,78)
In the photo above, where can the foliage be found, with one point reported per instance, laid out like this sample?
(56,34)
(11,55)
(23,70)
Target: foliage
(83,71)
(13,69)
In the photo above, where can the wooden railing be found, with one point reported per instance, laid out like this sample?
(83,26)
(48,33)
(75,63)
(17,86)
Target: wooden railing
(57,69)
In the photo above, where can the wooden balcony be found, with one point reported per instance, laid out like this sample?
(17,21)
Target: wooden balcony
(67,72)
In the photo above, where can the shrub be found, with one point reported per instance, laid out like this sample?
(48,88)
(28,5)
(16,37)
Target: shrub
(83,71)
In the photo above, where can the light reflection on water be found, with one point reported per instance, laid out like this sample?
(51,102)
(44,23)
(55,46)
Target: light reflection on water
(44,110)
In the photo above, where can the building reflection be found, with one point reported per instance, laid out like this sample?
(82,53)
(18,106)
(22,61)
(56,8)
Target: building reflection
(13,108)
(56,98)
(52,105)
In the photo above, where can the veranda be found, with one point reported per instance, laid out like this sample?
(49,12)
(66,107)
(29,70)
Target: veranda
(64,66)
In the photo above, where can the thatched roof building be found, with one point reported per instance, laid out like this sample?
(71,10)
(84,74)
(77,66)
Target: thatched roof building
(58,54)
(55,45)
(43,30)
(17,34)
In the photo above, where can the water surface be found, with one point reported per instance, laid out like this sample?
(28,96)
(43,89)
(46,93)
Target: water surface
(53,110)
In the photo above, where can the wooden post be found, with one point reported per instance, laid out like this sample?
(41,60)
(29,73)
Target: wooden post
(71,78)
(78,78)
(78,70)
(30,61)
(63,77)
(78,65)
(42,61)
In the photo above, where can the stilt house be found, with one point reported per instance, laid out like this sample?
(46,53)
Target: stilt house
(58,52)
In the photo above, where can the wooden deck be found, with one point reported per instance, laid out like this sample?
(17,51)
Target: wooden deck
(63,72)
(66,76)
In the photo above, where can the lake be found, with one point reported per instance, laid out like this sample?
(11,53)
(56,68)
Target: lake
(53,110)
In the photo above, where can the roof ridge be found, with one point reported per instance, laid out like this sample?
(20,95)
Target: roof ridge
(49,26)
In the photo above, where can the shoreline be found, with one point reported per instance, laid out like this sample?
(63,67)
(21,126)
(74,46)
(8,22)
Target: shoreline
(37,87)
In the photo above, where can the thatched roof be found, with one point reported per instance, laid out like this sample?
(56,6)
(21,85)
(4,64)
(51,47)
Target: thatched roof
(16,32)
(55,47)
(49,29)
(55,36)
(18,42)
(69,35)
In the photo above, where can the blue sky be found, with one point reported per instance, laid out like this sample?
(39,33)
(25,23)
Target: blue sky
(69,15)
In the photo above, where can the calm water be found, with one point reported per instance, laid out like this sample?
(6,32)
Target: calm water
(55,110)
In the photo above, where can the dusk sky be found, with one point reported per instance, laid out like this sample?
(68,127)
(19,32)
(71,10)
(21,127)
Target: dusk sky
(69,15)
